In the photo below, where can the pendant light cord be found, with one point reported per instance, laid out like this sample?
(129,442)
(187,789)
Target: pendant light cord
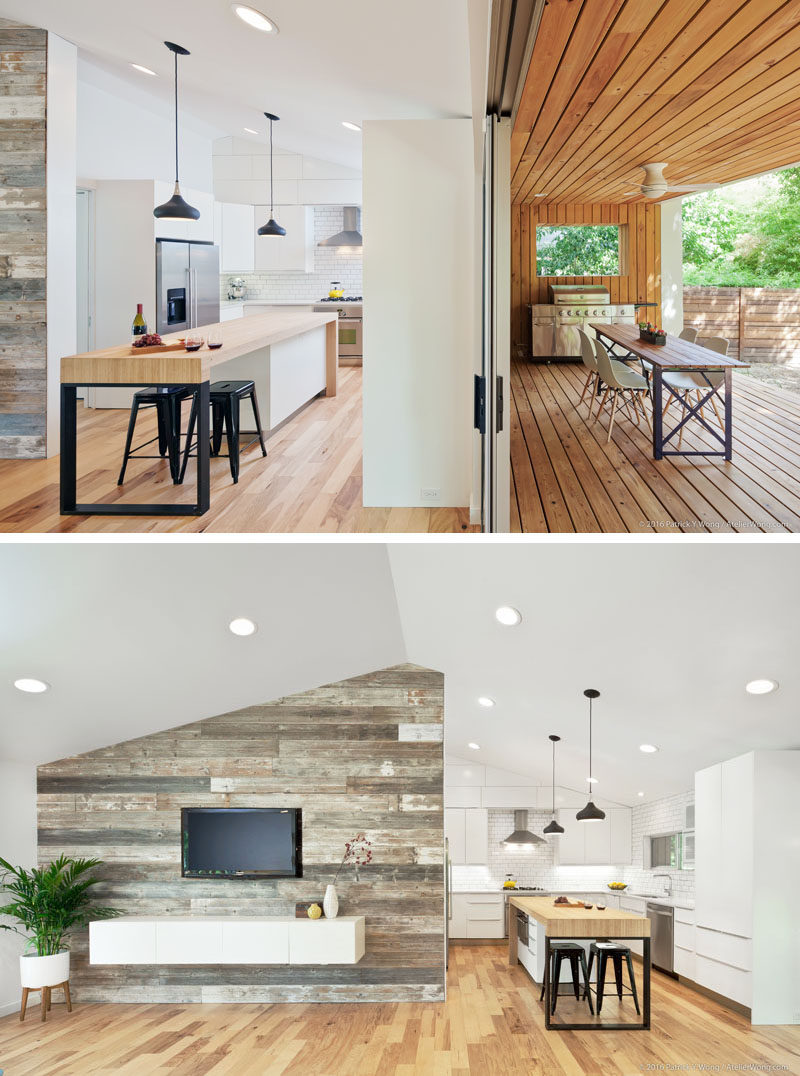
(271,197)
(176,119)
(554,778)
(591,774)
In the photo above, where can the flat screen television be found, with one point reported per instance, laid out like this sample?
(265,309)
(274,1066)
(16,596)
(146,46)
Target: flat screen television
(241,842)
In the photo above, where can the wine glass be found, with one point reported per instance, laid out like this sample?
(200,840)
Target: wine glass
(194,340)
(214,337)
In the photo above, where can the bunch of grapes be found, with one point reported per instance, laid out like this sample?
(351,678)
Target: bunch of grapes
(147,340)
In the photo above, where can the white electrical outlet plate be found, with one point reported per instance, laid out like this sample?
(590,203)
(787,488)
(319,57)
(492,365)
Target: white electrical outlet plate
(429,494)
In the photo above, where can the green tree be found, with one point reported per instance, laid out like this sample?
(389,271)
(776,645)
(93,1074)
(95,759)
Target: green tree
(577,250)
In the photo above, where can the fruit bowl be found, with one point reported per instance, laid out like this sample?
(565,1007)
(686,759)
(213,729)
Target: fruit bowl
(618,885)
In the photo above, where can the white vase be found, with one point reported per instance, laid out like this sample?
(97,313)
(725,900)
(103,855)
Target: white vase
(38,971)
(330,905)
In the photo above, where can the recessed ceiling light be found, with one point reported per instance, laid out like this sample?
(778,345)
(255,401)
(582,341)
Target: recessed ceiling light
(484,700)
(648,748)
(760,687)
(508,615)
(250,130)
(592,780)
(350,126)
(144,70)
(254,18)
(640,793)
(474,746)
(34,687)
(242,626)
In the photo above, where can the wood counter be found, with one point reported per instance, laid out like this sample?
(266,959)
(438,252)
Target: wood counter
(563,922)
(117,366)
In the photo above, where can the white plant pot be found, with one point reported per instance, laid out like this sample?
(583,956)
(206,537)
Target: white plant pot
(38,971)
(330,903)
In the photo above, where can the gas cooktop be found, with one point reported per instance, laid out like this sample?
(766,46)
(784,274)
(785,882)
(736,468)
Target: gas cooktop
(344,299)
(525,889)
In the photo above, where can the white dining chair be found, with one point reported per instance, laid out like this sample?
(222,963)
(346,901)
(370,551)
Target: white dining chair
(589,360)
(688,333)
(686,383)
(619,379)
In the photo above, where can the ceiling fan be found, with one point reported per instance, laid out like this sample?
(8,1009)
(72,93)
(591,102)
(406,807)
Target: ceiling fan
(655,184)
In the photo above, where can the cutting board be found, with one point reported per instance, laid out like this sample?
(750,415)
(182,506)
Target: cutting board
(157,349)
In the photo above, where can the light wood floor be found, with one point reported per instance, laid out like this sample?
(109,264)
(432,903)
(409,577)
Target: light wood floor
(492,1023)
(310,481)
(565,478)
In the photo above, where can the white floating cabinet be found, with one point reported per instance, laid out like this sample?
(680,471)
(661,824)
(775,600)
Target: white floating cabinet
(598,843)
(293,252)
(467,831)
(237,247)
(215,940)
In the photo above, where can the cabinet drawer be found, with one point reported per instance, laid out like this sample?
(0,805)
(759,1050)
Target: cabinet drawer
(633,904)
(481,928)
(726,948)
(684,935)
(685,963)
(733,983)
(489,908)
(684,915)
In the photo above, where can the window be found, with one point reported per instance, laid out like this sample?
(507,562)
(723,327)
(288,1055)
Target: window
(578,250)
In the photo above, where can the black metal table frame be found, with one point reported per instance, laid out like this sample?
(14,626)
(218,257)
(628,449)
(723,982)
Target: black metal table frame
(642,1025)
(69,457)
(657,392)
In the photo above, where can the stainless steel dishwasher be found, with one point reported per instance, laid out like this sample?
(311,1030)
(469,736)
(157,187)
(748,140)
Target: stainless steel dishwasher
(661,936)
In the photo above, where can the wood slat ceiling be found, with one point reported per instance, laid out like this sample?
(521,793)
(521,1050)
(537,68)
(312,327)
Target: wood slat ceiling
(710,86)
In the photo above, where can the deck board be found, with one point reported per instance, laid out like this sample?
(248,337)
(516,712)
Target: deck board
(565,477)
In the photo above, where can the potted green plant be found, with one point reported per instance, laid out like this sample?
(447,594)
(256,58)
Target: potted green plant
(48,904)
(652,334)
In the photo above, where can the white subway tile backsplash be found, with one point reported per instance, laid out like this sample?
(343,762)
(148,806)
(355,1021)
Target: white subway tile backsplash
(330,263)
(661,816)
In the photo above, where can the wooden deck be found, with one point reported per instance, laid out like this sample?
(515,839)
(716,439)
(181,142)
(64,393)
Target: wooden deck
(565,478)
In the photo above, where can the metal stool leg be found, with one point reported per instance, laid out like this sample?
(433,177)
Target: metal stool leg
(174,409)
(601,978)
(162,414)
(232,432)
(618,973)
(129,440)
(587,990)
(217,422)
(257,417)
(573,965)
(633,983)
(556,979)
(189,434)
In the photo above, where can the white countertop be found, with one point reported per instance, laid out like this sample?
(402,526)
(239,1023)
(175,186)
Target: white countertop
(268,302)
(670,902)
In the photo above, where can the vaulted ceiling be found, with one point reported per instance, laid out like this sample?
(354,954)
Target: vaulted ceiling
(710,86)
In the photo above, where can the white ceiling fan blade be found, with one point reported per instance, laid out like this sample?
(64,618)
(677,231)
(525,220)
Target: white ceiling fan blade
(695,187)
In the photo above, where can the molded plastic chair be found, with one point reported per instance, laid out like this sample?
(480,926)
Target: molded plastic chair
(589,360)
(686,383)
(619,379)
(688,333)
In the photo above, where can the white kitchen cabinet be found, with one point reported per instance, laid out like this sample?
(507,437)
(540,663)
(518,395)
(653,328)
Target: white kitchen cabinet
(238,238)
(231,313)
(598,843)
(457,927)
(293,252)
(638,907)
(477,915)
(724,846)
(467,830)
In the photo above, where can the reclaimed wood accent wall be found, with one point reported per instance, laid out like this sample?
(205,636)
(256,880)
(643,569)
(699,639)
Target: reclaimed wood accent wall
(361,755)
(23,234)
(639,279)
(762,324)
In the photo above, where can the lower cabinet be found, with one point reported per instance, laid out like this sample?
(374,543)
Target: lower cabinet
(639,907)
(723,963)
(478,915)
(684,950)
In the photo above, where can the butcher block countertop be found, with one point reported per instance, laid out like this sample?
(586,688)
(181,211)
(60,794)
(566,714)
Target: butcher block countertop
(117,366)
(564,922)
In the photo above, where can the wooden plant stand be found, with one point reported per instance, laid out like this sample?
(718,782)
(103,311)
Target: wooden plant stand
(45,992)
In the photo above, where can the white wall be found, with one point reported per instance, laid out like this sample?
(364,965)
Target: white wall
(61,222)
(18,846)
(122,135)
(672,265)
(419,250)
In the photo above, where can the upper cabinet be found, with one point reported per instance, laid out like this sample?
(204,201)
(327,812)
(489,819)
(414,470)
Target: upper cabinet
(201,230)
(295,250)
(467,832)
(237,246)
(601,843)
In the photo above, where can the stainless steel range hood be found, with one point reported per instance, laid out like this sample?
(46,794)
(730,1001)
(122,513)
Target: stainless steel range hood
(522,835)
(350,236)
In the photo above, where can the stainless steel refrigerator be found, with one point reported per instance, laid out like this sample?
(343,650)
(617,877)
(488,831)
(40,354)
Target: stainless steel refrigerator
(187,285)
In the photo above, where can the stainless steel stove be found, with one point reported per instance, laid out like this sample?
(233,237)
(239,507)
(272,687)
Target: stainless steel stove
(554,325)
(351,312)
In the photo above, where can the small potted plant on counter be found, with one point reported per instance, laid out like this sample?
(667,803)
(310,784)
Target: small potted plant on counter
(357,852)
(651,334)
(48,904)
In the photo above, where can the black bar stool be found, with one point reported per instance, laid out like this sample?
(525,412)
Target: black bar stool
(576,955)
(226,398)
(167,400)
(616,952)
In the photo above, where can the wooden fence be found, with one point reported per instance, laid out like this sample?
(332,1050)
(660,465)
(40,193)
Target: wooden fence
(762,324)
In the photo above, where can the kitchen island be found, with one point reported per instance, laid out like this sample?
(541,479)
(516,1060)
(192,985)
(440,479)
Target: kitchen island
(292,356)
(565,922)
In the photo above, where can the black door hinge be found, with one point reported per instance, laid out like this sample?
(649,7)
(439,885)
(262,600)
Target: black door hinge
(498,402)
(480,403)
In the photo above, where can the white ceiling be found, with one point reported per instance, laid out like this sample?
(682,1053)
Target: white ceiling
(668,633)
(355,61)
(133,638)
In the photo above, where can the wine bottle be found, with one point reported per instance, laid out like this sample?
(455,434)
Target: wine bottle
(139,324)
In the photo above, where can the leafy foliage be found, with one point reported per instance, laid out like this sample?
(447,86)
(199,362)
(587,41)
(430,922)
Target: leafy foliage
(50,902)
(730,241)
(577,250)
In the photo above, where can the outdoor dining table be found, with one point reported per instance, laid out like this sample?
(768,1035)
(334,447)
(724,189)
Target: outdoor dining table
(678,356)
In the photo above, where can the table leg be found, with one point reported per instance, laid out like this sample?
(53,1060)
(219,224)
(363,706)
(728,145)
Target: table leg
(728,412)
(646,984)
(658,433)
(548,986)
(69,447)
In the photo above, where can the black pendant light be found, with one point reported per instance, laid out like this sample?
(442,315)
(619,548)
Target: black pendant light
(176,208)
(590,813)
(554,827)
(271,227)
